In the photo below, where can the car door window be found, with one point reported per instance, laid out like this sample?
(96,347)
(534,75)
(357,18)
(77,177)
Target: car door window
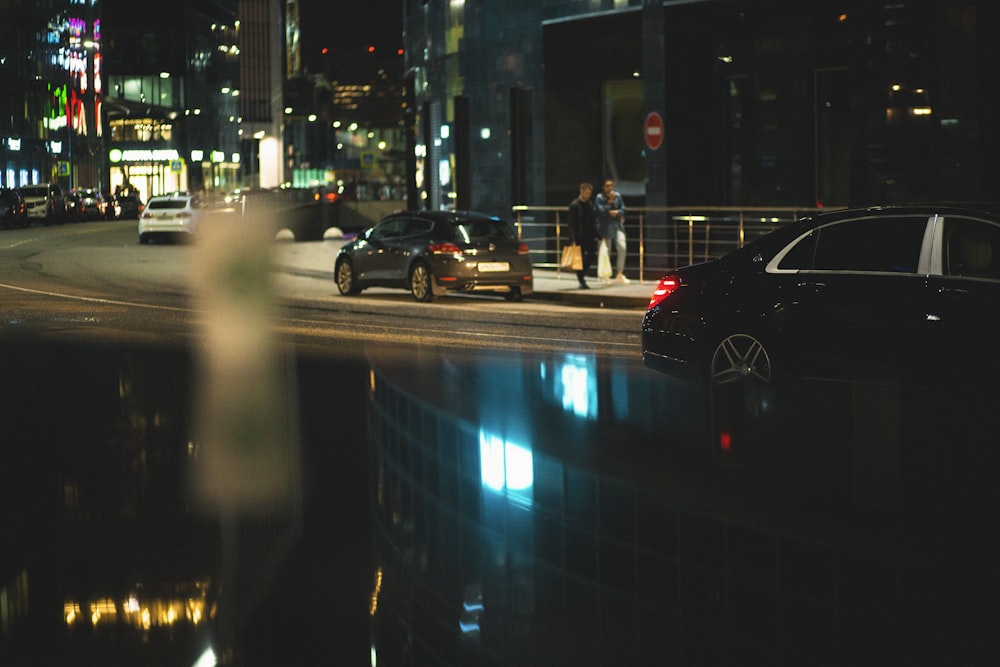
(416,227)
(971,248)
(389,229)
(884,245)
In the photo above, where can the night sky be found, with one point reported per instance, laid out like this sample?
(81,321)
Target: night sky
(349,25)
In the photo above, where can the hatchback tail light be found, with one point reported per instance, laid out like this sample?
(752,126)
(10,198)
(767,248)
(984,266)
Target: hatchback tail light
(445,249)
(523,249)
(668,285)
(184,214)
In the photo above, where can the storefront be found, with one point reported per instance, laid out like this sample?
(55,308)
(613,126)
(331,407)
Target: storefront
(150,171)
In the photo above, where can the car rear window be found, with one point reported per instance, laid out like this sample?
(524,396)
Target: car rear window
(35,192)
(477,230)
(167,203)
(881,245)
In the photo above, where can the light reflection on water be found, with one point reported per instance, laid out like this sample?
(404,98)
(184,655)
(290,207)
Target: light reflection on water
(561,509)
(639,542)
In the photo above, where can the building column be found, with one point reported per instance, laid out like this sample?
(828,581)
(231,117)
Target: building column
(654,81)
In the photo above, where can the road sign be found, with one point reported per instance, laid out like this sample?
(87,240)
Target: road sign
(653,130)
(367,160)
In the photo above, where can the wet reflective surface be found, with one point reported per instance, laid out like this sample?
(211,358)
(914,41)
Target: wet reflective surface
(486,509)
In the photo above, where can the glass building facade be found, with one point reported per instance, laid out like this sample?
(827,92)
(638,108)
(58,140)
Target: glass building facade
(98,95)
(828,103)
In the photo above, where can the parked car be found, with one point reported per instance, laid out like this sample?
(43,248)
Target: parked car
(85,204)
(911,290)
(13,211)
(169,215)
(127,206)
(432,252)
(45,202)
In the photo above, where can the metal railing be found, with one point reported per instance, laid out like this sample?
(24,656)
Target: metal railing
(659,238)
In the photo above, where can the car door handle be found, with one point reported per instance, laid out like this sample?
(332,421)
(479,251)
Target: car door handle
(812,286)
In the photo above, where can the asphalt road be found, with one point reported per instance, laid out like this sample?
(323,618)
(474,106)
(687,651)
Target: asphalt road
(96,277)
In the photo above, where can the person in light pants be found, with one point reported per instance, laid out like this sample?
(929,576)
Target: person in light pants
(610,211)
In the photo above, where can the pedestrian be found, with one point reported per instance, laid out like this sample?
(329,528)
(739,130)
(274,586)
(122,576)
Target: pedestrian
(583,230)
(610,210)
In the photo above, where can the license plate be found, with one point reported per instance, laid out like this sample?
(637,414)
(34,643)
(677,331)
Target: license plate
(491,267)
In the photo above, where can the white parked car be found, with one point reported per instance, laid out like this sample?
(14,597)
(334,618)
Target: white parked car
(169,216)
(45,202)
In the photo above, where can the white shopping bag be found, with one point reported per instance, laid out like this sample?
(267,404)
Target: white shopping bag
(603,260)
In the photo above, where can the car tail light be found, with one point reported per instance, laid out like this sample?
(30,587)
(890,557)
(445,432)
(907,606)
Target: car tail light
(184,214)
(668,284)
(445,249)
(523,249)
(147,215)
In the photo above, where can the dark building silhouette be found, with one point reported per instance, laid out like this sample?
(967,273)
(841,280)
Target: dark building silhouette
(762,103)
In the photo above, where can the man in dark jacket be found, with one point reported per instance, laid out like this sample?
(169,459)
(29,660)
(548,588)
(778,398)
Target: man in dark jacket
(583,229)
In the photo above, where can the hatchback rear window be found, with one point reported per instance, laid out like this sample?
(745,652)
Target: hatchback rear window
(475,230)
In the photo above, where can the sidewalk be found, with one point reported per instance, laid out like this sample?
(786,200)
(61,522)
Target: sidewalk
(562,286)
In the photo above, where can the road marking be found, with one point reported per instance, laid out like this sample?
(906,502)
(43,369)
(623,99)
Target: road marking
(92,299)
(78,232)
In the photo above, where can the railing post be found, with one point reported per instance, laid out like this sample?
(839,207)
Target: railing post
(642,246)
(708,241)
(558,247)
(690,237)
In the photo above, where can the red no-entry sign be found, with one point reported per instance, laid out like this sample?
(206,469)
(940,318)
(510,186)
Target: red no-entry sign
(653,131)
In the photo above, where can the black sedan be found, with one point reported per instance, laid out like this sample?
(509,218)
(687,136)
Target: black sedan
(85,204)
(127,206)
(433,252)
(912,291)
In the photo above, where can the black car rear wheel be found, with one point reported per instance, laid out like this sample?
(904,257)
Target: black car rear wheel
(420,282)
(740,357)
(347,282)
(741,398)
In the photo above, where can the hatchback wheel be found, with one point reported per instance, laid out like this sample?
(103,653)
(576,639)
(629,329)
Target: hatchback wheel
(420,282)
(346,280)
(514,294)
